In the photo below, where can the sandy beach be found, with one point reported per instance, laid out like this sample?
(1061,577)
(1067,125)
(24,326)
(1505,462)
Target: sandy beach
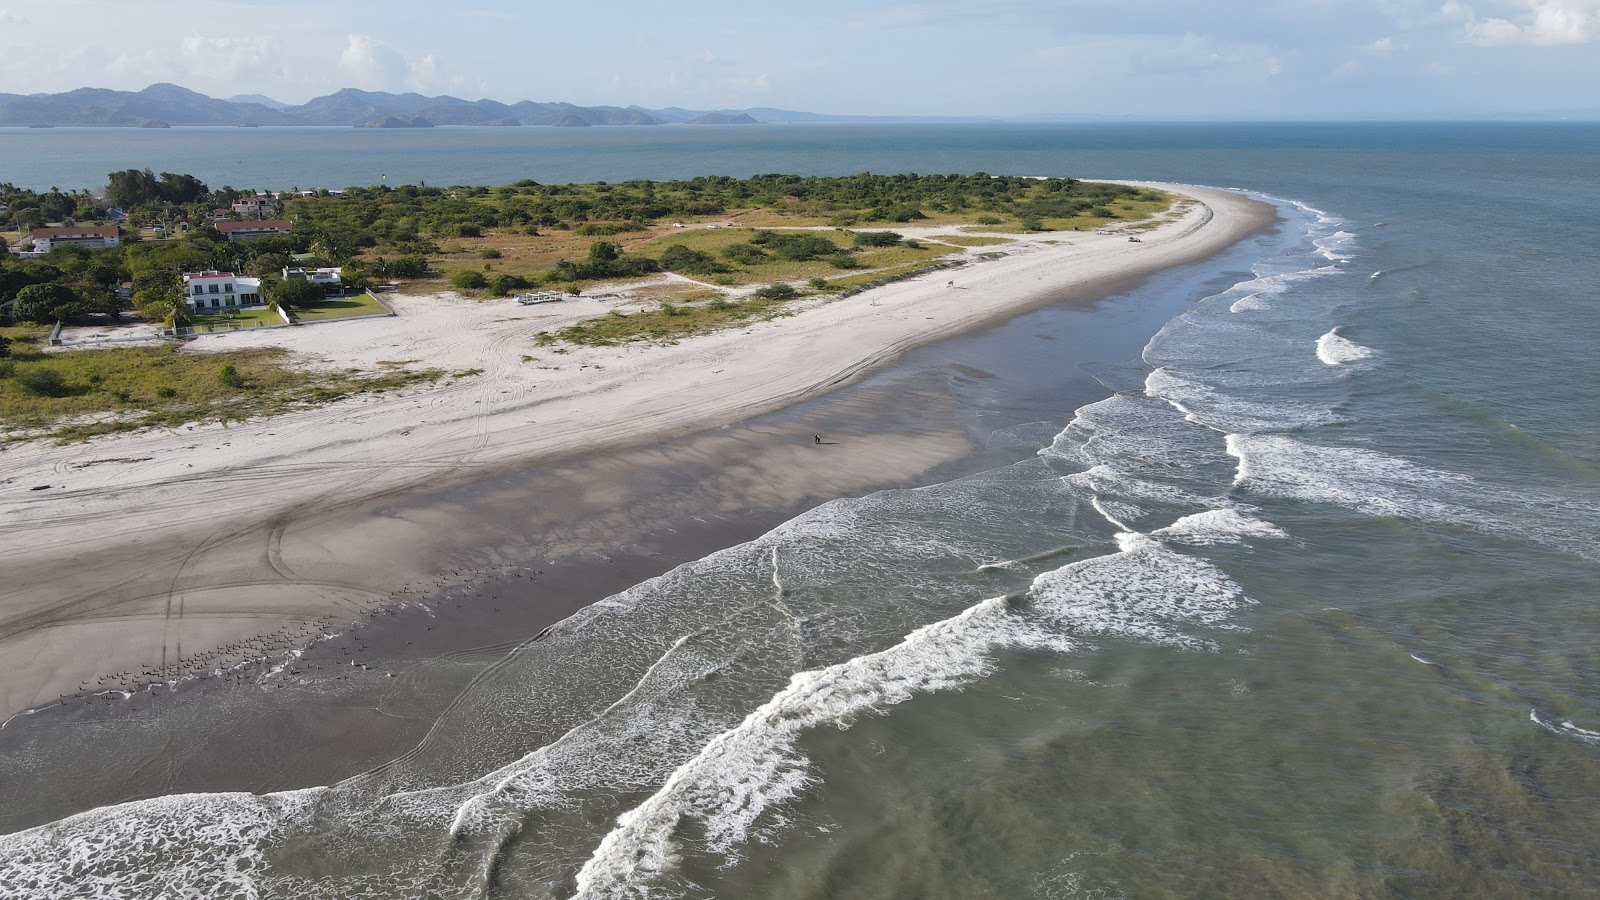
(157,554)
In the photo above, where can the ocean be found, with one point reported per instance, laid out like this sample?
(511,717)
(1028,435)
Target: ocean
(1301,602)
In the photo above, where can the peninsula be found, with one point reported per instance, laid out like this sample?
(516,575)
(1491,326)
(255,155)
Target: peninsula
(287,521)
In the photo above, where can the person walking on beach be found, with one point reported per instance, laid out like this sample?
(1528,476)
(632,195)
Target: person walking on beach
(816,438)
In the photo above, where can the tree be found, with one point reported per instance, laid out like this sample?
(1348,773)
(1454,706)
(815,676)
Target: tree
(45,303)
(295,293)
(181,189)
(133,187)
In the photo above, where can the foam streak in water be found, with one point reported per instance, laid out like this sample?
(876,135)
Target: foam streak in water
(1335,349)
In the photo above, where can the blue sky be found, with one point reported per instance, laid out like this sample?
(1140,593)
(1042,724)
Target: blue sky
(1149,58)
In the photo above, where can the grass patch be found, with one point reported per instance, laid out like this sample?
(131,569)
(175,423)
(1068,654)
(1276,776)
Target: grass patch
(875,275)
(341,308)
(130,388)
(235,319)
(970,240)
(669,322)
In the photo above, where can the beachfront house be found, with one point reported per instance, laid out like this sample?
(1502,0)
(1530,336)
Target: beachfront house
(331,279)
(220,290)
(44,239)
(249,231)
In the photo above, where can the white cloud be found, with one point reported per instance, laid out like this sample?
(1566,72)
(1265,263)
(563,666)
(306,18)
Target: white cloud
(8,17)
(1541,23)
(245,60)
(373,65)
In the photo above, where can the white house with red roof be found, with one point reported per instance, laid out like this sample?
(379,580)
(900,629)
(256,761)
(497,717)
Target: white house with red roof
(246,231)
(220,290)
(45,239)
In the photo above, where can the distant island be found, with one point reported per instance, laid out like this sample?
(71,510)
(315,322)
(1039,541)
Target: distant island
(411,121)
(163,105)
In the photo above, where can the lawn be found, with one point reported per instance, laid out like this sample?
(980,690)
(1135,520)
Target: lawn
(235,319)
(341,308)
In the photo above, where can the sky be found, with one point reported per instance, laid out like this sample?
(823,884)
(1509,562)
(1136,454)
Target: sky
(1146,58)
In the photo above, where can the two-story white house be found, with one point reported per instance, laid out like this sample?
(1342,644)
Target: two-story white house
(81,235)
(220,290)
(257,207)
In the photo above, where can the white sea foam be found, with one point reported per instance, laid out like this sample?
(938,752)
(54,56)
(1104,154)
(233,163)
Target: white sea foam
(1335,349)
(1334,245)
(1249,302)
(1218,526)
(182,845)
(743,771)
(1146,592)
(1224,412)
(1564,728)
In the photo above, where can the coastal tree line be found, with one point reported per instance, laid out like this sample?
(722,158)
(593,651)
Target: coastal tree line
(387,232)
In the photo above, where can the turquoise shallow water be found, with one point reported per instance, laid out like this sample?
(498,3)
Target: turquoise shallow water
(1306,605)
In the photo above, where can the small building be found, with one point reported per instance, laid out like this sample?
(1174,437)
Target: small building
(256,208)
(220,290)
(331,278)
(46,239)
(249,231)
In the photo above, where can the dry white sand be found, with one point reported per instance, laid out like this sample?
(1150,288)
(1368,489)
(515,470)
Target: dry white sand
(162,548)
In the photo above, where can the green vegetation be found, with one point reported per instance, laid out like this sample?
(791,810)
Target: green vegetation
(770,231)
(672,322)
(235,318)
(295,293)
(345,307)
(76,395)
(970,240)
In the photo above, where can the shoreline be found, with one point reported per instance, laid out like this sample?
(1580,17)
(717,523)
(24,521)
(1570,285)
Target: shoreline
(215,536)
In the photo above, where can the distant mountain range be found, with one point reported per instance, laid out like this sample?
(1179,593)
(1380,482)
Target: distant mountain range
(168,104)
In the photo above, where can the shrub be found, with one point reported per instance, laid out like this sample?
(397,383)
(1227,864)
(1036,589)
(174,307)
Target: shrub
(469,281)
(230,377)
(467,229)
(843,260)
(166,392)
(408,267)
(505,285)
(777,292)
(681,259)
(744,254)
(876,239)
(819,283)
(43,382)
(796,247)
(989,220)
(490,253)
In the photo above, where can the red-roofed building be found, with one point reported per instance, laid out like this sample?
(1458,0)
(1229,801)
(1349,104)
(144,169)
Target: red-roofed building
(245,231)
(44,239)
